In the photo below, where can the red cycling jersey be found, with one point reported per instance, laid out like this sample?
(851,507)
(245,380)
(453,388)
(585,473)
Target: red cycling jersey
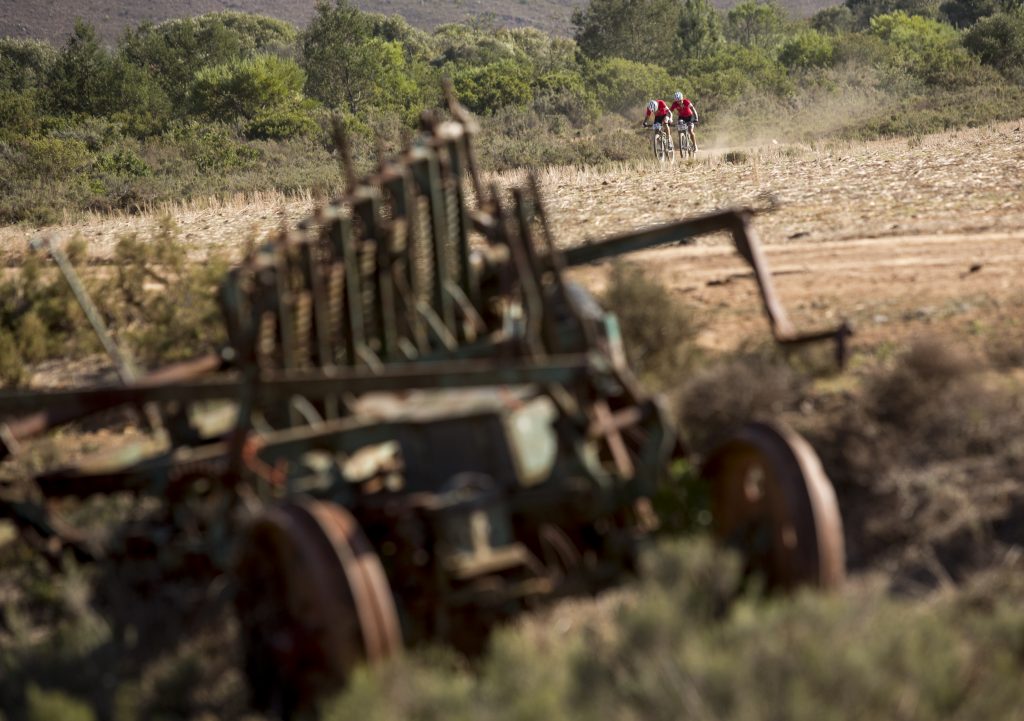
(684,108)
(661,112)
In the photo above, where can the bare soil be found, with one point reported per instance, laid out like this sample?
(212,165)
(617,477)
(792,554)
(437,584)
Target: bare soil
(901,237)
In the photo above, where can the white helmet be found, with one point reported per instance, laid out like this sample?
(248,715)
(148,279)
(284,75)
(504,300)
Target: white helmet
(652,106)
(679,96)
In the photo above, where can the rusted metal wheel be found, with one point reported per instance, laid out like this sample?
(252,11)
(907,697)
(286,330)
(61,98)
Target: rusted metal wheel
(313,602)
(770,497)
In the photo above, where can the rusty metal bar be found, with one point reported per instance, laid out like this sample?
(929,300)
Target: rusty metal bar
(276,386)
(57,413)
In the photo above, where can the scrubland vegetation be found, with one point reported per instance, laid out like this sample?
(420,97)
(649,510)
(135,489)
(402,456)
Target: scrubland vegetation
(230,102)
(922,445)
(922,441)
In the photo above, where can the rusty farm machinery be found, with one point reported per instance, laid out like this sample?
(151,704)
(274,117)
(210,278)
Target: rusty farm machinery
(428,429)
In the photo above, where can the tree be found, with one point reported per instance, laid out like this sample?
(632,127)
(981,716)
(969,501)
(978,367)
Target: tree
(925,49)
(640,30)
(833,20)
(247,88)
(754,24)
(174,51)
(999,41)
(964,13)
(485,89)
(624,86)
(700,30)
(88,79)
(24,63)
(348,67)
(864,10)
(806,49)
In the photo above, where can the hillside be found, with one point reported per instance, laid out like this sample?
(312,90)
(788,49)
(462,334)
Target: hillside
(53,19)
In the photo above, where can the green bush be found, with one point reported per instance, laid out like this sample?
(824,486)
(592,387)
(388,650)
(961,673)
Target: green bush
(964,13)
(833,20)
(925,49)
(38,160)
(806,49)
(689,644)
(281,123)
(624,86)
(999,41)
(755,23)
(488,88)
(211,146)
(19,113)
(246,88)
(86,78)
(175,50)
(644,30)
(565,93)
(737,71)
(24,63)
(350,69)
(123,161)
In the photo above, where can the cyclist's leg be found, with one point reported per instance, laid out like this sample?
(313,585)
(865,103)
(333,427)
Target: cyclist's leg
(693,138)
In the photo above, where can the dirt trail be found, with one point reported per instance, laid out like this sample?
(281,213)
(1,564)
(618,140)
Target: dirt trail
(899,235)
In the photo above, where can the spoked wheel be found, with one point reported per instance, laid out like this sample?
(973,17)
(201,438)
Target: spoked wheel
(661,148)
(771,498)
(313,602)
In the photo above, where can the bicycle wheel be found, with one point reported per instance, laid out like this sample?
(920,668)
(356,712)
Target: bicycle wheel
(658,143)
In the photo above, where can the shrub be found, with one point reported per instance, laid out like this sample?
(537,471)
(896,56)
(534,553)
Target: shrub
(175,50)
(925,49)
(246,88)
(964,13)
(123,161)
(806,49)
(211,146)
(834,20)
(723,396)
(19,113)
(641,29)
(657,329)
(86,78)
(351,69)
(624,86)
(281,123)
(999,41)
(25,64)
(566,94)
(489,88)
(754,23)
(35,160)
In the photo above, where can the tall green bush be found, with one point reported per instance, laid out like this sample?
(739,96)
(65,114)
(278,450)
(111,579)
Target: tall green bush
(624,86)
(24,63)
(807,49)
(999,41)
(246,88)
(488,88)
(925,49)
(176,50)
(755,23)
(642,30)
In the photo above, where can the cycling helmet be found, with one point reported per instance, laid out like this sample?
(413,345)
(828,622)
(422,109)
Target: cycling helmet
(652,106)
(679,96)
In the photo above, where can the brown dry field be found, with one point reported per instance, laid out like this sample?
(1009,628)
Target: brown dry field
(902,237)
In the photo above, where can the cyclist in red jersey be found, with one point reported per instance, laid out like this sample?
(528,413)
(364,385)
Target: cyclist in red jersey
(686,114)
(661,114)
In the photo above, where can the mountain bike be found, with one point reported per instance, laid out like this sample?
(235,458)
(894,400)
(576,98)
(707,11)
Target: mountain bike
(661,143)
(687,148)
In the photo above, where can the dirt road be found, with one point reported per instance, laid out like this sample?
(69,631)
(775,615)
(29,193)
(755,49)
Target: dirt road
(899,236)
